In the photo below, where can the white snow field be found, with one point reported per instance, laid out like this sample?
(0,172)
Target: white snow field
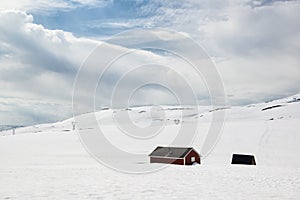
(48,161)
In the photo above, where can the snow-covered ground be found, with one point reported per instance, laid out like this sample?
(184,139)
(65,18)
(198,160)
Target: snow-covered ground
(48,161)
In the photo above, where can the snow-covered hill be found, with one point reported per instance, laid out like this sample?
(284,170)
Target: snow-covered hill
(47,161)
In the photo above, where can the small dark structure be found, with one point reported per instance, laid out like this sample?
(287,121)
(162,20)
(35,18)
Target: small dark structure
(243,159)
(175,155)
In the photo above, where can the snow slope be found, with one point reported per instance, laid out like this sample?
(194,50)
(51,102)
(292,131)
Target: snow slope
(47,161)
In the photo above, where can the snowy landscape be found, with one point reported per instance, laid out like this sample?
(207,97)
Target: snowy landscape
(139,99)
(48,161)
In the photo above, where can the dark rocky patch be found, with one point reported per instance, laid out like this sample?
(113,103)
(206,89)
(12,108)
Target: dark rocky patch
(271,107)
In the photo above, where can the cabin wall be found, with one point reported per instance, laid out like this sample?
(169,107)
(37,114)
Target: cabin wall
(190,155)
(167,160)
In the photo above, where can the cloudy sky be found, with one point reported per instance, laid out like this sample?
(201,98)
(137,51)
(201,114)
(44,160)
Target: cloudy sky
(254,44)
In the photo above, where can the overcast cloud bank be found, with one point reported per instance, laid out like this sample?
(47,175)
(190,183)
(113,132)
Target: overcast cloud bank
(255,45)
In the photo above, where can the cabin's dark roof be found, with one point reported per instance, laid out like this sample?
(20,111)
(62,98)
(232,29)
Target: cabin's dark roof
(173,152)
(243,159)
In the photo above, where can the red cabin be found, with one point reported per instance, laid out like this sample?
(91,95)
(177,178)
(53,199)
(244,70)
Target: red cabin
(175,155)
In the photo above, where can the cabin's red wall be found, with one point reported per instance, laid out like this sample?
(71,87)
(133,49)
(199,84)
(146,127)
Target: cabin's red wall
(166,160)
(190,155)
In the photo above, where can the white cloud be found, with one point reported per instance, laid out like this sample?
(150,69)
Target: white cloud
(40,65)
(255,45)
(37,63)
(261,47)
(31,4)
(48,5)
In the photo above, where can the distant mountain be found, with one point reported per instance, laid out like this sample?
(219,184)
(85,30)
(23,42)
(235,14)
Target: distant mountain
(8,127)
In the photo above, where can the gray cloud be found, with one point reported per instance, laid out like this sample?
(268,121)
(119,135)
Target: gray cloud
(255,44)
(37,64)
